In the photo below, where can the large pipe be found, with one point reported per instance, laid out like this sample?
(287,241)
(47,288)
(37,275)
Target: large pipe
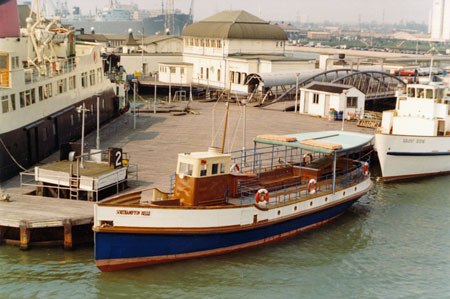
(9,19)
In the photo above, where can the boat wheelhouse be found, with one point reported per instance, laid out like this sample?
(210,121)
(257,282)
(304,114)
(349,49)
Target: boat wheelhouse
(225,202)
(414,139)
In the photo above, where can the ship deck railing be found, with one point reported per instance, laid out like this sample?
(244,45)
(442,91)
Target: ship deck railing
(284,193)
(28,184)
(50,70)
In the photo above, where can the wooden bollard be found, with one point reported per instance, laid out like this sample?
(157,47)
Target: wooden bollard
(2,234)
(68,241)
(25,235)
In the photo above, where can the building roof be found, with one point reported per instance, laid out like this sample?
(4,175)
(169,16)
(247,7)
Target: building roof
(131,41)
(269,57)
(348,140)
(235,24)
(327,87)
(96,38)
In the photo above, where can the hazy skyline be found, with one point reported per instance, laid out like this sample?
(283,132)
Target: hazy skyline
(291,10)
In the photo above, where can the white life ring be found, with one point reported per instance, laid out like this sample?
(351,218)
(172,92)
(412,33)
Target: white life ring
(306,156)
(262,196)
(234,168)
(366,169)
(312,186)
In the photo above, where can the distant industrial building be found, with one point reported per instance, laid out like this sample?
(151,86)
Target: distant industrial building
(440,20)
(318,35)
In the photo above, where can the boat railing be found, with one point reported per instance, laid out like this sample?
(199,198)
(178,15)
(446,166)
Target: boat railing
(284,193)
(50,70)
(269,158)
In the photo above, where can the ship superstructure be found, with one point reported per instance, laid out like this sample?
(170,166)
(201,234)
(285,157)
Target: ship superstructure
(44,76)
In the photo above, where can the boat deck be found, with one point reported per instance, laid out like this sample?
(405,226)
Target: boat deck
(91,169)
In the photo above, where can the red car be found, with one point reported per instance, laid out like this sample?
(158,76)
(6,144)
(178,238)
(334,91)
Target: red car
(405,73)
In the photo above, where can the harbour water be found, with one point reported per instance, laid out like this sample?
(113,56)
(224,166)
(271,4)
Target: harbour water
(394,242)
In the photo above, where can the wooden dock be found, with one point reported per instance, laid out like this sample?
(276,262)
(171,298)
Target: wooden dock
(34,220)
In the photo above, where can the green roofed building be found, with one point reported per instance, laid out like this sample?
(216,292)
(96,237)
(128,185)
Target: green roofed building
(231,44)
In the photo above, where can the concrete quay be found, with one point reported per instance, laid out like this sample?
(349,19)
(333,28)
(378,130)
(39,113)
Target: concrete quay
(153,146)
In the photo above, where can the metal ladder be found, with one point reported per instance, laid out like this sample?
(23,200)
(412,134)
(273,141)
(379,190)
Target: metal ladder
(74,183)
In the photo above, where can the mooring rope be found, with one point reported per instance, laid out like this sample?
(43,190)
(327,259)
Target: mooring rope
(11,156)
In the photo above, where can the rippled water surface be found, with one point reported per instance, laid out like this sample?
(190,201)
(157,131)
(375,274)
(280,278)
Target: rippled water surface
(394,242)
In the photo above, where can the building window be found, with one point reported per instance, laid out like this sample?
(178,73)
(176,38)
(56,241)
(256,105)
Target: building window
(201,72)
(219,44)
(238,78)
(207,42)
(352,102)
(84,79)
(5,105)
(232,76)
(244,78)
(213,43)
(13,102)
(315,98)
(218,75)
(207,73)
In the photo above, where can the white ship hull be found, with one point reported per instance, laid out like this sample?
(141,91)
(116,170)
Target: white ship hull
(404,156)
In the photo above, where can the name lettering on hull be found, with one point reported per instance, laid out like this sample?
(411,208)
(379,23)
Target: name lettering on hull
(132,213)
(413,140)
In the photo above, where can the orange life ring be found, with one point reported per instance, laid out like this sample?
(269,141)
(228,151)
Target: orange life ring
(304,158)
(312,183)
(234,168)
(366,169)
(262,196)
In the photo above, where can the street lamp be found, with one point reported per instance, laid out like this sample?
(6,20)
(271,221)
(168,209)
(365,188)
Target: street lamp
(142,50)
(134,102)
(296,92)
(244,102)
(82,109)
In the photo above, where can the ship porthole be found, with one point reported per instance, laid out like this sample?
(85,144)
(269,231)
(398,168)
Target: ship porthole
(326,199)
(279,212)
(343,193)
(310,203)
(295,208)
(356,188)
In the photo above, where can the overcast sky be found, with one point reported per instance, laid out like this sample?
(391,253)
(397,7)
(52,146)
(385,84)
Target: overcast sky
(291,10)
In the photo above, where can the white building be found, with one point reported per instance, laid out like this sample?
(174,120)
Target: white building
(230,45)
(440,20)
(318,98)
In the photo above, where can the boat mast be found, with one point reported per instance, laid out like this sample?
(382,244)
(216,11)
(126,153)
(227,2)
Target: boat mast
(226,118)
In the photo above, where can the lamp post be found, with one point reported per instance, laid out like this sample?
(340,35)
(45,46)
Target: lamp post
(345,105)
(154,99)
(170,85)
(244,133)
(134,102)
(98,123)
(296,92)
(82,109)
(142,50)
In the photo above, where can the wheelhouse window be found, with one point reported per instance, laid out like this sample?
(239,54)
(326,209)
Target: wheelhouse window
(215,168)
(22,99)
(203,170)
(186,168)
(72,83)
(41,93)
(411,92)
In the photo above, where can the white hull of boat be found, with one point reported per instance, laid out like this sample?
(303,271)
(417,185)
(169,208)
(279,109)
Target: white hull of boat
(403,156)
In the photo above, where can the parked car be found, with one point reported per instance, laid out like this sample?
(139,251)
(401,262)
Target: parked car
(405,73)
(425,71)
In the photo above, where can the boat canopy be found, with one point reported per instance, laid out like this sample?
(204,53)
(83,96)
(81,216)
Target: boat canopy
(326,142)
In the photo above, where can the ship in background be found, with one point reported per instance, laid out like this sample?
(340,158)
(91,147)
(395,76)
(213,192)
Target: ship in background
(44,76)
(118,18)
